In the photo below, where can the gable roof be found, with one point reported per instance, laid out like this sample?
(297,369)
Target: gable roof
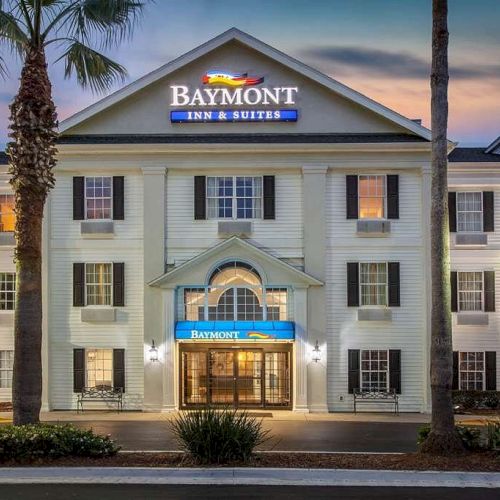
(472,155)
(234,243)
(493,146)
(271,52)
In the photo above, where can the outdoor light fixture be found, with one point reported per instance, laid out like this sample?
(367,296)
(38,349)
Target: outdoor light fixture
(153,352)
(316,353)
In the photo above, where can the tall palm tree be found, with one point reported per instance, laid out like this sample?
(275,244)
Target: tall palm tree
(79,30)
(443,438)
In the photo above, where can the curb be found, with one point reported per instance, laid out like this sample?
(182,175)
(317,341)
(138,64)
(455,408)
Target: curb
(248,476)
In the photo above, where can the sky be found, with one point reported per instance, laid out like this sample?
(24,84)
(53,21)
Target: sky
(380,48)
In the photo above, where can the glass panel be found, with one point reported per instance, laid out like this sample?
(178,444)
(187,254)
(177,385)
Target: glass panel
(374,370)
(248,306)
(470,291)
(7,291)
(99,368)
(471,365)
(470,212)
(371,189)
(276,301)
(98,196)
(277,379)
(6,367)
(194,304)
(98,281)
(373,282)
(195,377)
(221,377)
(249,377)
(7,217)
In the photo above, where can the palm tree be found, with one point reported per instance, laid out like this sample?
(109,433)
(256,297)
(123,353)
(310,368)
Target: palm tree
(79,29)
(443,438)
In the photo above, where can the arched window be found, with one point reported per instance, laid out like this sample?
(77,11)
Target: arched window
(235,273)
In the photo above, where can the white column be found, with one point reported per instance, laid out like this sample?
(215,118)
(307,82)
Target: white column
(154,265)
(314,189)
(45,306)
(169,351)
(301,348)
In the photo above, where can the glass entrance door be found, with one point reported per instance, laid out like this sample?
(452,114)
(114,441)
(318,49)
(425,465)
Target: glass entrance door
(221,377)
(249,378)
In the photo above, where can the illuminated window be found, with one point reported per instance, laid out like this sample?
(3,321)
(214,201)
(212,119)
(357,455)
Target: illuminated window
(98,284)
(471,371)
(7,216)
(7,291)
(99,368)
(373,283)
(470,212)
(98,197)
(374,370)
(234,197)
(6,367)
(470,291)
(372,196)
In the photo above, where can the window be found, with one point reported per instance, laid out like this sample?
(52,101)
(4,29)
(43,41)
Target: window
(470,291)
(374,370)
(99,368)
(470,212)
(98,284)
(371,196)
(98,197)
(234,197)
(7,291)
(6,367)
(471,371)
(373,283)
(7,216)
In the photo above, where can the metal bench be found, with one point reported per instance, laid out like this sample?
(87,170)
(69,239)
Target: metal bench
(390,396)
(104,394)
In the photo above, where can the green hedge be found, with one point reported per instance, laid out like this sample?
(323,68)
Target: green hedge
(28,442)
(477,400)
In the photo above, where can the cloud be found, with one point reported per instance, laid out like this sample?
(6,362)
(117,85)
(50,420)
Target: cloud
(396,64)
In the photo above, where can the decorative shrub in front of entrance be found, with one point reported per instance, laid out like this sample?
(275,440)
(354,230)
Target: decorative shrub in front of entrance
(477,400)
(213,436)
(28,442)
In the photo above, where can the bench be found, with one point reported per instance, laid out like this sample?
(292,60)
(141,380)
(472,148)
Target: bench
(104,394)
(390,396)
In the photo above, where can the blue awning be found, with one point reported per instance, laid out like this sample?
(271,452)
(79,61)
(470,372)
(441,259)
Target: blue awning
(235,330)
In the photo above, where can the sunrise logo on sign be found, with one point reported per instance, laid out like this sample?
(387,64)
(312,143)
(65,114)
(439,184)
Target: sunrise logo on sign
(230,79)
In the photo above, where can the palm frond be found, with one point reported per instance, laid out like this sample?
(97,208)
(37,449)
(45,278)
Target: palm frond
(11,31)
(3,68)
(92,69)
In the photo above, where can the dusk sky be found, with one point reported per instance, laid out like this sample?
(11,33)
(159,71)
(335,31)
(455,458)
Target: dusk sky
(380,48)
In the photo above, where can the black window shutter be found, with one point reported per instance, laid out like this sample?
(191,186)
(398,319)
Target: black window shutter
(394,286)
(78,284)
(352,284)
(488,212)
(455,371)
(269,197)
(452,211)
(393,196)
(490,359)
(118,198)
(78,370)
(78,198)
(200,197)
(489,291)
(351,188)
(454,291)
(395,370)
(119,369)
(353,370)
(118,284)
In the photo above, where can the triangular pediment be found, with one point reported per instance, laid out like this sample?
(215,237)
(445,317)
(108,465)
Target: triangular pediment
(273,271)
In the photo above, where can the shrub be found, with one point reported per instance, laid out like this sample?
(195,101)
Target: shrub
(471,436)
(476,400)
(28,442)
(214,436)
(493,435)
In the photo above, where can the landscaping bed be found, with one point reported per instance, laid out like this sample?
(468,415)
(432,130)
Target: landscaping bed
(484,461)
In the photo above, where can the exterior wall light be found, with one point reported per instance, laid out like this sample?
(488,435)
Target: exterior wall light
(153,352)
(316,357)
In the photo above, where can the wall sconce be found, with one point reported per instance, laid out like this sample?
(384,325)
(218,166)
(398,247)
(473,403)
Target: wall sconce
(153,352)
(316,357)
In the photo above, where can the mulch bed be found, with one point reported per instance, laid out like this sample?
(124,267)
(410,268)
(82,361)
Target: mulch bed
(485,462)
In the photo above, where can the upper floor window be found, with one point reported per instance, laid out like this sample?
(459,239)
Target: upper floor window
(373,283)
(469,212)
(471,371)
(98,284)
(7,291)
(98,197)
(99,368)
(7,216)
(470,291)
(372,195)
(234,197)
(374,370)
(6,368)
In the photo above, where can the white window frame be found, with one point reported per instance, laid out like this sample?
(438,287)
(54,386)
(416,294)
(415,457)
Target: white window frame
(87,350)
(111,285)
(2,311)
(13,196)
(459,291)
(483,371)
(98,198)
(234,198)
(469,211)
(361,371)
(4,369)
(360,291)
(384,216)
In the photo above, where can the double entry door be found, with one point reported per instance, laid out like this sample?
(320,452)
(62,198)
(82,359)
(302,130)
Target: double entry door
(239,377)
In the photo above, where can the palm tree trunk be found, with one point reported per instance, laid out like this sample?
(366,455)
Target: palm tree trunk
(443,438)
(33,123)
